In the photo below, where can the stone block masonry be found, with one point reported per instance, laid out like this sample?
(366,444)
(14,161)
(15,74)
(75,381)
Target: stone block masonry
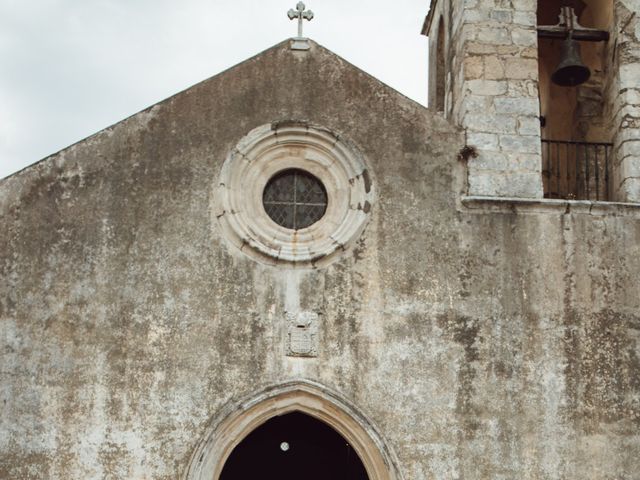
(625,101)
(495,97)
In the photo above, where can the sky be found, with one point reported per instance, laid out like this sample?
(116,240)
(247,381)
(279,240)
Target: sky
(69,68)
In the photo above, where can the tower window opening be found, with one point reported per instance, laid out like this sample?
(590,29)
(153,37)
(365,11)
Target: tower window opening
(572,53)
(440,66)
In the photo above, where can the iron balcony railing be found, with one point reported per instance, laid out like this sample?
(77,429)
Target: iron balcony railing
(576,170)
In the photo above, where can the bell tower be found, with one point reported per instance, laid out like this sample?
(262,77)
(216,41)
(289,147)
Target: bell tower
(547,93)
(490,72)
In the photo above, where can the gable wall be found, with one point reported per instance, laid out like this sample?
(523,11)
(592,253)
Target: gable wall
(481,343)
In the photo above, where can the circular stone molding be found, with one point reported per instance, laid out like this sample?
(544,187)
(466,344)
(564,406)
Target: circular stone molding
(273,148)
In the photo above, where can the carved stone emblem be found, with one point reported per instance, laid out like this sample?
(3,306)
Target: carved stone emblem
(302,334)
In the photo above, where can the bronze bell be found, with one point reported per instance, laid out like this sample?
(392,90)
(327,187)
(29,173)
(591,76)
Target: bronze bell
(570,71)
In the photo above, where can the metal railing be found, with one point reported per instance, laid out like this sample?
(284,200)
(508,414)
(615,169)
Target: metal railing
(576,170)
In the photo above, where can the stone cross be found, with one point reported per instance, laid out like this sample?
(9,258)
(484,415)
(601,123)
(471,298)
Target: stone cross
(301,15)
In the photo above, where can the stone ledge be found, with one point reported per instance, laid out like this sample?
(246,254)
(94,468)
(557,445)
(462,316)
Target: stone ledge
(483,204)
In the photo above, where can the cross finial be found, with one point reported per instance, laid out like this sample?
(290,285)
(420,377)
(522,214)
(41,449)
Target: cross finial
(301,15)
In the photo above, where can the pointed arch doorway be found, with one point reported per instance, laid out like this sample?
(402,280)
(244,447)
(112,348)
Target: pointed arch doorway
(294,446)
(248,431)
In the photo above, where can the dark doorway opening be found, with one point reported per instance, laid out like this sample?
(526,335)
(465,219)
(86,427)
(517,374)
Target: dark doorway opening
(294,446)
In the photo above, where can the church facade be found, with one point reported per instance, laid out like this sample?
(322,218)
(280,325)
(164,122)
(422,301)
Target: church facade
(292,239)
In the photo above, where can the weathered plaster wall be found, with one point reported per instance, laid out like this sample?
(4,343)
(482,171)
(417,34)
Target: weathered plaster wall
(482,344)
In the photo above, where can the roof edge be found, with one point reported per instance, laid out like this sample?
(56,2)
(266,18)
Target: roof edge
(400,94)
(166,99)
(144,110)
(426,26)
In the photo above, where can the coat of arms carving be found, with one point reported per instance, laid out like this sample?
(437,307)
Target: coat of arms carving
(302,334)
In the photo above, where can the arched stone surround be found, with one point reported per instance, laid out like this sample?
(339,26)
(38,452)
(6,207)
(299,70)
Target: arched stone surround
(235,421)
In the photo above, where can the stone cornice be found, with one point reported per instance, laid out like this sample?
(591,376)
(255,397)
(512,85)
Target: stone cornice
(485,204)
